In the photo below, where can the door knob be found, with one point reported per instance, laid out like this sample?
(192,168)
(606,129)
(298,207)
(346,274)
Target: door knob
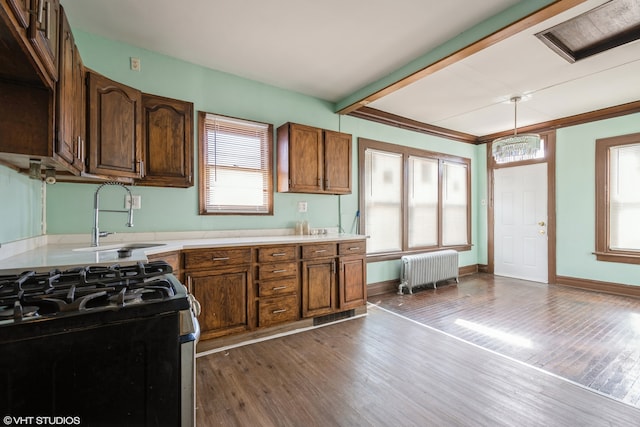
(541,231)
(541,224)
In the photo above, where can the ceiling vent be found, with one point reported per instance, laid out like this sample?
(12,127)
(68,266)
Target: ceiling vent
(609,25)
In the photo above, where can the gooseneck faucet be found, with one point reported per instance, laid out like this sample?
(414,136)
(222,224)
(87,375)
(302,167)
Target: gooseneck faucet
(96,234)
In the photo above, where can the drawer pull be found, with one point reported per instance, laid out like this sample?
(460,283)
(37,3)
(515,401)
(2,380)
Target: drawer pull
(224,258)
(320,251)
(356,248)
(282,310)
(279,271)
(279,254)
(278,288)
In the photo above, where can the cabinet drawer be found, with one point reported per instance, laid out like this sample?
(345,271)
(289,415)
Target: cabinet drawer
(352,248)
(171,258)
(277,310)
(206,258)
(278,287)
(277,253)
(275,270)
(319,251)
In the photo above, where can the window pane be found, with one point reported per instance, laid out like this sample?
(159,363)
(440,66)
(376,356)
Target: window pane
(236,165)
(383,199)
(624,202)
(454,204)
(423,202)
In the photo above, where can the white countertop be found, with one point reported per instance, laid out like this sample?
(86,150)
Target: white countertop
(65,255)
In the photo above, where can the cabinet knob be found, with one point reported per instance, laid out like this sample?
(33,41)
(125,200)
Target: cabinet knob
(282,310)
(278,288)
(224,258)
(279,271)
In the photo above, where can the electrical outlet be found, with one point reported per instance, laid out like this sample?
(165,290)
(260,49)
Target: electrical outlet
(137,201)
(302,207)
(135,64)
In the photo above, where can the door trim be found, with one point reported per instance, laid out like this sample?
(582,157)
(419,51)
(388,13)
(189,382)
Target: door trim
(550,160)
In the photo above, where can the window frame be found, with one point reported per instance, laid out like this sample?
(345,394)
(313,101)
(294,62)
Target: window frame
(202,149)
(603,250)
(406,152)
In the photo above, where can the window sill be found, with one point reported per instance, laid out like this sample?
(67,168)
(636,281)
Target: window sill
(622,257)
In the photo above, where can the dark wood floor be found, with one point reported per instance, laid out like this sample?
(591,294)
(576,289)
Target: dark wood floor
(384,370)
(586,337)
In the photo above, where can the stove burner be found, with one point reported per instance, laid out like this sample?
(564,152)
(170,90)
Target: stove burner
(18,312)
(57,293)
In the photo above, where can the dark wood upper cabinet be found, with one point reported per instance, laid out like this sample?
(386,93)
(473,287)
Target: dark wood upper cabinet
(313,160)
(70,109)
(20,9)
(114,129)
(43,33)
(168,142)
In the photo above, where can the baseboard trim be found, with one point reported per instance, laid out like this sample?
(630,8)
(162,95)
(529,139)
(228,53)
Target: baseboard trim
(380,288)
(598,286)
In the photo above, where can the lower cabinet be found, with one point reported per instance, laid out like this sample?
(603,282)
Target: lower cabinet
(220,279)
(223,297)
(246,288)
(318,287)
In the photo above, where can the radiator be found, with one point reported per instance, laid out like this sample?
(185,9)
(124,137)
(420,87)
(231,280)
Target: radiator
(429,267)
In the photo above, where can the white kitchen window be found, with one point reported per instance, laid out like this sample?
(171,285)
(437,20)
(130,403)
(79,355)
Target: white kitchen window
(413,199)
(618,199)
(235,166)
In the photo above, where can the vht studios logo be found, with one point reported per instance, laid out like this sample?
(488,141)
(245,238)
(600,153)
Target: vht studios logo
(40,421)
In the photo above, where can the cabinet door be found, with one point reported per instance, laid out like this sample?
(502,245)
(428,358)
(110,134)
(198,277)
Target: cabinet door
(43,33)
(223,298)
(352,283)
(70,106)
(305,158)
(337,162)
(168,142)
(114,128)
(318,287)
(20,10)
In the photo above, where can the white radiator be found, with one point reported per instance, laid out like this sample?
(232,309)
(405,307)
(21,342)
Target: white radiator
(429,267)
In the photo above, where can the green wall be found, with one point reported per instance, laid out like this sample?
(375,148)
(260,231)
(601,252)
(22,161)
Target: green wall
(20,206)
(575,198)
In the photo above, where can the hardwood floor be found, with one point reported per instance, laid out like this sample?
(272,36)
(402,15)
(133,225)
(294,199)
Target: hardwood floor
(587,337)
(384,369)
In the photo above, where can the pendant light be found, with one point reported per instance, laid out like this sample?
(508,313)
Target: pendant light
(515,147)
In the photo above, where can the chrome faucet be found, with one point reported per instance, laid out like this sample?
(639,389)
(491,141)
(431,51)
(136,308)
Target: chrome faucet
(96,234)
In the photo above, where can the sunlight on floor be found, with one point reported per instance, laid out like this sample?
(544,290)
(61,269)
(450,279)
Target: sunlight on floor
(495,333)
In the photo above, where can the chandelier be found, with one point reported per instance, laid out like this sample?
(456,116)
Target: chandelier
(515,147)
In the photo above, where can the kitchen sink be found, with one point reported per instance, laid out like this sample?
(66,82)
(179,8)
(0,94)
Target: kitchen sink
(119,246)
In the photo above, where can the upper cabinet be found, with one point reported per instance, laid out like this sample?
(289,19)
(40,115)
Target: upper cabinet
(313,160)
(168,142)
(43,33)
(55,115)
(114,146)
(70,109)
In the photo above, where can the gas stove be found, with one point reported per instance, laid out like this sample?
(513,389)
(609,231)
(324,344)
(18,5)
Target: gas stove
(31,296)
(109,329)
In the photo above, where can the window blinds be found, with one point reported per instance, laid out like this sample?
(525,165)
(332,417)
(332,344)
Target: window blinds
(237,165)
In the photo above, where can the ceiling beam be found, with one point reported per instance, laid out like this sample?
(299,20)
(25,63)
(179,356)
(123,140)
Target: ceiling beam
(523,15)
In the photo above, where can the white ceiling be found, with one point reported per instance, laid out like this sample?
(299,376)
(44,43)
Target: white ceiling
(331,49)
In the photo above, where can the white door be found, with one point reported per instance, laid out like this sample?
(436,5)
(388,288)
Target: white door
(520,222)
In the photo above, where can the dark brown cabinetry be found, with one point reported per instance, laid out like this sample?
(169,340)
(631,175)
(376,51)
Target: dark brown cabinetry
(313,160)
(277,285)
(352,281)
(220,279)
(70,109)
(168,142)
(20,9)
(318,279)
(43,32)
(114,129)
